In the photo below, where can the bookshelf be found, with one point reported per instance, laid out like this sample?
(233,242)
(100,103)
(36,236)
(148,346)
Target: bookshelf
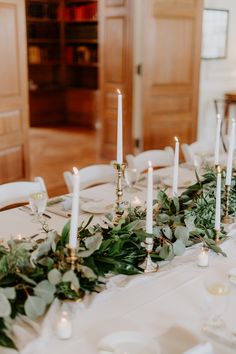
(63,61)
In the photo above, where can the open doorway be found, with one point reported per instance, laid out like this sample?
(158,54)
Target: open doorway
(63,74)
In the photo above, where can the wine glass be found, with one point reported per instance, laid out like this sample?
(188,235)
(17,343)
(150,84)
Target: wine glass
(38,203)
(217,295)
(131,177)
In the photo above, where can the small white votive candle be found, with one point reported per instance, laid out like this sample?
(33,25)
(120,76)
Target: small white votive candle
(203,258)
(64,326)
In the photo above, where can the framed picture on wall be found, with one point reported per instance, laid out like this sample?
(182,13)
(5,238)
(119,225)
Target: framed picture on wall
(215,33)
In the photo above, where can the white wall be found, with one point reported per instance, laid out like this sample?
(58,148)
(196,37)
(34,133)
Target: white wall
(218,75)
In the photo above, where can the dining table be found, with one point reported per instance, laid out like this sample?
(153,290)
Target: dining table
(169,306)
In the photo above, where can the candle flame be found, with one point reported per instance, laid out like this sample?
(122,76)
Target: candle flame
(218,116)
(218,169)
(75,170)
(176,139)
(118,91)
(149,163)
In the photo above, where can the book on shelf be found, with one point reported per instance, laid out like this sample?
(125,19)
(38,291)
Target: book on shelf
(34,55)
(81,12)
(42,10)
(83,31)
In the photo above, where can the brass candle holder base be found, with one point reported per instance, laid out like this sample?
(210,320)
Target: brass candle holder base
(217,236)
(227,219)
(148,265)
(119,204)
(72,257)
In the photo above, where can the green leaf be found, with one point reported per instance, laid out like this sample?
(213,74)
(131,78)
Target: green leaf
(46,262)
(54,276)
(189,222)
(167,232)
(92,244)
(5,307)
(164,252)
(176,204)
(45,290)
(34,307)
(182,233)
(65,234)
(163,218)
(27,279)
(87,272)
(71,277)
(178,247)
(9,292)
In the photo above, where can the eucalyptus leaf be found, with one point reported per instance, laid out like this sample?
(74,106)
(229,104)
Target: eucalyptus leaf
(157,231)
(9,292)
(182,233)
(71,277)
(163,218)
(87,272)
(164,252)
(54,276)
(176,203)
(92,243)
(189,222)
(178,247)
(5,307)
(167,232)
(34,307)
(45,290)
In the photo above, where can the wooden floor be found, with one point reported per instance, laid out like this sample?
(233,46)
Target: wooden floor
(54,150)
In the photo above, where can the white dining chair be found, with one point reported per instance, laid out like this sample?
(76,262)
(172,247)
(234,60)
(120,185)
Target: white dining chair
(18,192)
(194,153)
(91,176)
(158,158)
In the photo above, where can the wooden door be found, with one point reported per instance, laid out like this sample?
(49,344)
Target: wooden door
(13,92)
(115,41)
(172,38)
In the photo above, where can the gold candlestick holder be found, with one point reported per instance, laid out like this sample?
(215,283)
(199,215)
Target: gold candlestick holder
(119,205)
(148,265)
(72,257)
(217,236)
(227,219)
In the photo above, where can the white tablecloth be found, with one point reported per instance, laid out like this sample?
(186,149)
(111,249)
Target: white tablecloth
(170,305)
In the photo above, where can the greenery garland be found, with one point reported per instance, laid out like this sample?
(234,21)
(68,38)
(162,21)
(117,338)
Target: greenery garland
(34,272)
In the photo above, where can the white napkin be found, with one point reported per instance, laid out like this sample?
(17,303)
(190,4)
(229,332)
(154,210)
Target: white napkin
(203,348)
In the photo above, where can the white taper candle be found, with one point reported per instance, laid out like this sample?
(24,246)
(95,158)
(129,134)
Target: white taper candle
(218,200)
(230,155)
(149,216)
(74,210)
(217,144)
(176,168)
(119,151)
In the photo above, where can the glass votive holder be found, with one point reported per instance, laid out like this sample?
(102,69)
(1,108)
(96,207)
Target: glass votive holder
(203,258)
(64,326)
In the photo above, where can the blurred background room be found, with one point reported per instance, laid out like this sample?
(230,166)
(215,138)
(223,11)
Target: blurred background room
(62,62)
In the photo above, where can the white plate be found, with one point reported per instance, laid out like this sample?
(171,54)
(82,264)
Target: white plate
(232,275)
(97,207)
(128,342)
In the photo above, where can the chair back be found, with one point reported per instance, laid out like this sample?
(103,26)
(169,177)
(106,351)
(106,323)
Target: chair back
(193,153)
(18,192)
(91,176)
(158,158)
